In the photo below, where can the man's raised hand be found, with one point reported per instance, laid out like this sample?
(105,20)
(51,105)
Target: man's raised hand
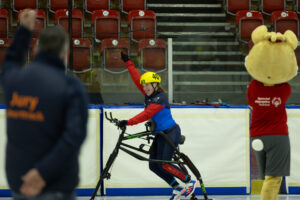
(27,19)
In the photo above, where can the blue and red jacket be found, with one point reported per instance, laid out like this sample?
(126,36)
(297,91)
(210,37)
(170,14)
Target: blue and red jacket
(157,106)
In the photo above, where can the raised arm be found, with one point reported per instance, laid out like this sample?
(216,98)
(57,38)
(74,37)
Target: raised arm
(134,73)
(18,50)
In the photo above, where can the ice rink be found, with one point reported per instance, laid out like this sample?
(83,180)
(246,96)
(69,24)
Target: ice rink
(219,197)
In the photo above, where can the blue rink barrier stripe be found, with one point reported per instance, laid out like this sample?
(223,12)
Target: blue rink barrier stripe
(84,192)
(168,191)
(79,192)
(292,106)
(294,190)
(5,193)
(141,106)
(192,106)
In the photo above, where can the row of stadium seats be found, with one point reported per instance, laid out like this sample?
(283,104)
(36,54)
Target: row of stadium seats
(105,23)
(89,5)
(265,6)
(105,27)
(247,21)
(152,52)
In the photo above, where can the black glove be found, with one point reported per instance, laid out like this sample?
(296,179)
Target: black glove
(124,57)
(122,124)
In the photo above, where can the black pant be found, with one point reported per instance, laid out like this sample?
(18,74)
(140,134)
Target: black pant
(161,150)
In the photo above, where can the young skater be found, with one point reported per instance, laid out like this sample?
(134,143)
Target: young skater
(157,107)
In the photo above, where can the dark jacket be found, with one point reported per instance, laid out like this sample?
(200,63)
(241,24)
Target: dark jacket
(47,114)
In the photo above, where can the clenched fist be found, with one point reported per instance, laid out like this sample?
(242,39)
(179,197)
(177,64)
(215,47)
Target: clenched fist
(27,19)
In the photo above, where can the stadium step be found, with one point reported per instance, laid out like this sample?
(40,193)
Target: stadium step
(196,35)
(190,8)
(203,40)
(205,45)
(191,17)
(185,1)
(193,26)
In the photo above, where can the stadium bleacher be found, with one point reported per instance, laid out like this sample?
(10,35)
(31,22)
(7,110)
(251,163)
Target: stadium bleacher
(18,5)
(223,33)
(92,5)
(232,6)
(269,6)
(55,5)
(3,23)
(111,53)
(285,20)
(142,24)
(153,54)
(247,21)
(128,5)
(62,18)
(105,24)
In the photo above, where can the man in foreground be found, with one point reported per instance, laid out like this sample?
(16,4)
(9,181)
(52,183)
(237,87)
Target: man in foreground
(46,116)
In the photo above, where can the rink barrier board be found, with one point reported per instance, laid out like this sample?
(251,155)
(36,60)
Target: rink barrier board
(162,191)
(114,189)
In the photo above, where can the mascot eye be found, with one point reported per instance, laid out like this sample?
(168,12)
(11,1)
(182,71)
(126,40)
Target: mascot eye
(269,77)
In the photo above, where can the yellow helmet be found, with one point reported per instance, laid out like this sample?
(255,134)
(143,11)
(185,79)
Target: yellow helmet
(150,77)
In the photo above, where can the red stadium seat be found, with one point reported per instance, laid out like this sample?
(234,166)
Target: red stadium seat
(268,6)
(82,54)
(106,24)
(142,24)
(111,54)
(92,5)
(4,44)
(55,5)
(128,5)
(232,6)
(40,22)
(22,4)
(61,17)
(247,21)
(285,20)
(250,45)
(153,54)
(3,23)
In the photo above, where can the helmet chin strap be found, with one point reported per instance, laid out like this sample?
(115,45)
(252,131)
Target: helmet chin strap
(154,88)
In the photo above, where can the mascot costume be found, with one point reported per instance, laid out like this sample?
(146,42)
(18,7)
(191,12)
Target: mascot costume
(271,63)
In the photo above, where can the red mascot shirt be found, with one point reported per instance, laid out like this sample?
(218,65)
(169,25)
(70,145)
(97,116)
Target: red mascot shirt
(268,108)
